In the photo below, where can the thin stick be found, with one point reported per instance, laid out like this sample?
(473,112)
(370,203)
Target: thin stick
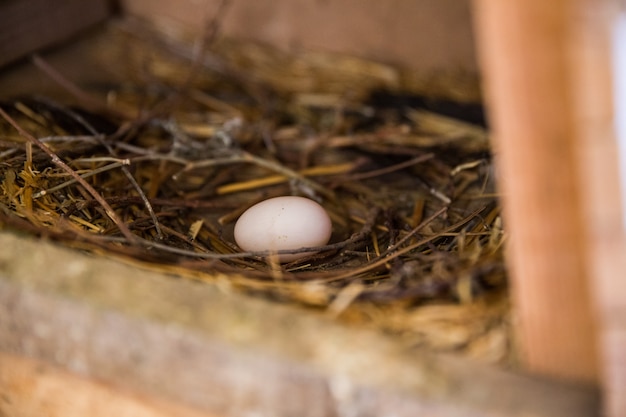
(378,172)
(57,161)
(420,227)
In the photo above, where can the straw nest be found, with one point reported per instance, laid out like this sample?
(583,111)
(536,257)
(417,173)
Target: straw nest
(159,172)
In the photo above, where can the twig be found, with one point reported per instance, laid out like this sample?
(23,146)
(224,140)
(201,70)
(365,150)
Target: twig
(417,229)
(375,173)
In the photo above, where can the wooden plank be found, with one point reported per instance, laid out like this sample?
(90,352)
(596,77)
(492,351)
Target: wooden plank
(526,50)
(31,388)
(29,25)
(192,344)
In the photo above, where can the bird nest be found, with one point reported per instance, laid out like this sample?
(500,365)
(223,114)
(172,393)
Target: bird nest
(159,173)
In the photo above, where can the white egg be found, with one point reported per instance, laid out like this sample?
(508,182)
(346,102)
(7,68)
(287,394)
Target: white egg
(283,223)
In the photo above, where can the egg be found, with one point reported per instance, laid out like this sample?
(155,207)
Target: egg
(283,223)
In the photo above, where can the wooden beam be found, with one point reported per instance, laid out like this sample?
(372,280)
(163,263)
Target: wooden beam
(192,344)
(526,49)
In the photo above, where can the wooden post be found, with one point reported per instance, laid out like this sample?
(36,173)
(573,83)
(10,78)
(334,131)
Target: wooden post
(597,79)
(526,49)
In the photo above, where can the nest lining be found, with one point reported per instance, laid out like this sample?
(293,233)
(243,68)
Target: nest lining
(161,172)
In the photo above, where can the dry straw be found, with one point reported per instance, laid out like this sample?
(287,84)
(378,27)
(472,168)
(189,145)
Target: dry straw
(160,172)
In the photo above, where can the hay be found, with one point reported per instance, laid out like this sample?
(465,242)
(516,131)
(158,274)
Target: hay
(160,172)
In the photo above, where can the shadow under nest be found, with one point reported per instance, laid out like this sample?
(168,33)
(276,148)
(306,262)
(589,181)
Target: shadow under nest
(409,188)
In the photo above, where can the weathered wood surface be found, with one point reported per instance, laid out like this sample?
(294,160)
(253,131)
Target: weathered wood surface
(192,344)
(29,25)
